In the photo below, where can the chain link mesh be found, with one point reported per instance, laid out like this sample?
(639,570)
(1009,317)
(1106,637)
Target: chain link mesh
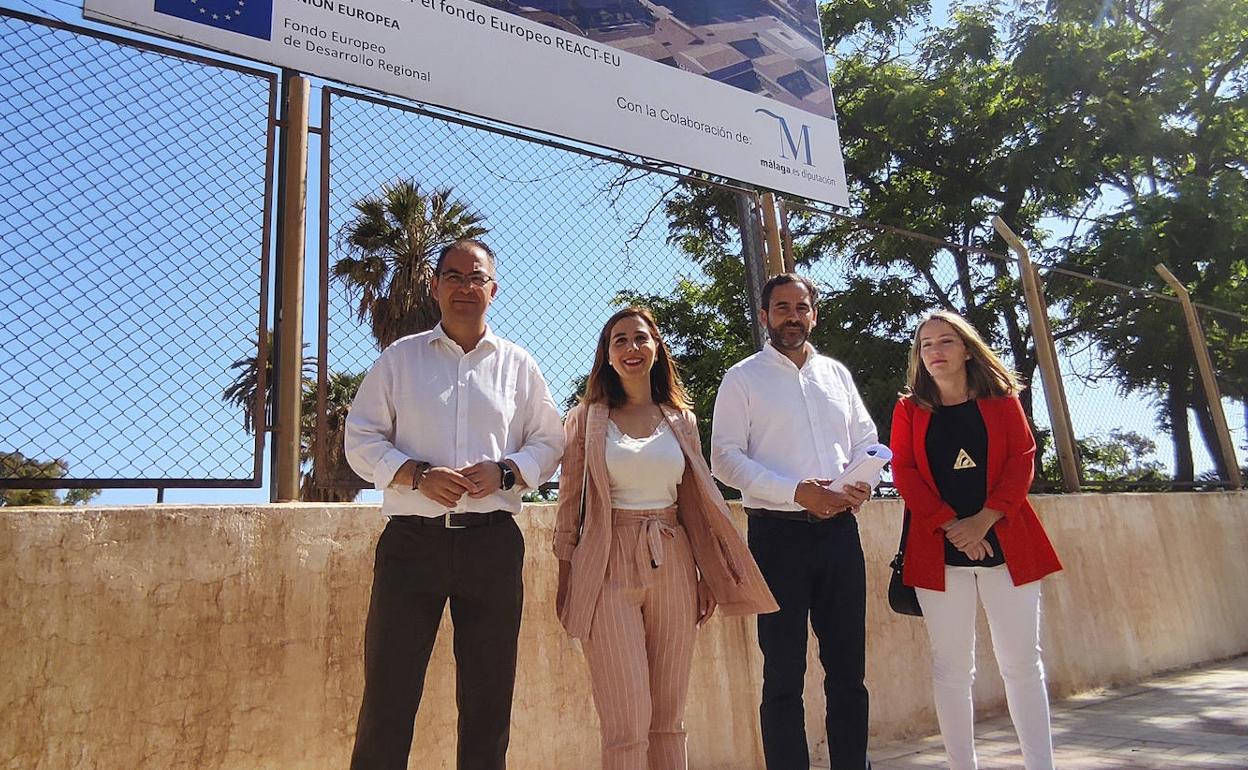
(132,195)
(1124,426)
(1134,393)
(877,284)
(1228,340)
(570,232)
(1105,415)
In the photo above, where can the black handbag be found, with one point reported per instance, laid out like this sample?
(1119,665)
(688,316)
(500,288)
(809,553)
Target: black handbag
(901,598)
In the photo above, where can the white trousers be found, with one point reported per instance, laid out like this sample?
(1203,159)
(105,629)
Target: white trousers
(1014,621)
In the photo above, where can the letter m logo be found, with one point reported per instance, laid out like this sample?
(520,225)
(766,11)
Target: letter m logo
(786,139)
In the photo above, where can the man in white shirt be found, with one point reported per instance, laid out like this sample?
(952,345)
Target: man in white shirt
(787,421)
(453,424)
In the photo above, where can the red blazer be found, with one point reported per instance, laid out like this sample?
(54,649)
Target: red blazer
(1011,452)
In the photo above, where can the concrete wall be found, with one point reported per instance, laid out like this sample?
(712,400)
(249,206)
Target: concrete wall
(230,637)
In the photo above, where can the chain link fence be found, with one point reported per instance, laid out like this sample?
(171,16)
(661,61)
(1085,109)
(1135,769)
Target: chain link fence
(573,232)
(1228,338)
(1123,432)
(133,237)
(878,283)
(135,229)
(1126,361)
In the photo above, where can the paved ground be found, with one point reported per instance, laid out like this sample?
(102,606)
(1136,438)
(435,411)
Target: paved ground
(1192,719)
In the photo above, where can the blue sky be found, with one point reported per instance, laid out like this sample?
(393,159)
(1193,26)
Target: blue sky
(134,293)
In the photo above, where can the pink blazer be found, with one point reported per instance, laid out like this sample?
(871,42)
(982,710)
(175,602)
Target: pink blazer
(727,568)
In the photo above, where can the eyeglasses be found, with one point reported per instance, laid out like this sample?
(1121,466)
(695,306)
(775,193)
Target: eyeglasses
(458,280)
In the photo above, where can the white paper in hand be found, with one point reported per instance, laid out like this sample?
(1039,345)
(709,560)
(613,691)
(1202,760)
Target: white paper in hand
(865,468)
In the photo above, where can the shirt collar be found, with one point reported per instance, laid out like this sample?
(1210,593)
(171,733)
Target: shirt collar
(776,356)
(439,333)
(488,339)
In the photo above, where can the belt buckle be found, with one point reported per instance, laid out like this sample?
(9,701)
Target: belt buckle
(449,525)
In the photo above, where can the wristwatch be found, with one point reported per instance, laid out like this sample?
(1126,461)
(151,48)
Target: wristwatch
(421,470)
(509,476)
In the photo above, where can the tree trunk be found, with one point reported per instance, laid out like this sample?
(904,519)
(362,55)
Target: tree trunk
(1204,421)
(755,271)
(1026,370)
(1176,412)
(962,260)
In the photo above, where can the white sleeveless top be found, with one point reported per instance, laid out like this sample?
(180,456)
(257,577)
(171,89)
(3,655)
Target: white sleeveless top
(644,471)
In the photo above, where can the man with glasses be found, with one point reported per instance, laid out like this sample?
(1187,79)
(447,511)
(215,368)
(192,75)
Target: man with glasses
(453,424)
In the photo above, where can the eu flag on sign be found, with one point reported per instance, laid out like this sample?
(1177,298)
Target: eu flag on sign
(246,17)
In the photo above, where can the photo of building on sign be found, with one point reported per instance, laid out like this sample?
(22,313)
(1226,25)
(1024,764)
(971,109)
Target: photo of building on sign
(771,48)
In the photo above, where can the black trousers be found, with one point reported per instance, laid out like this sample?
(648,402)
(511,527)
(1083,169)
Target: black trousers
(817,573)
(417,570)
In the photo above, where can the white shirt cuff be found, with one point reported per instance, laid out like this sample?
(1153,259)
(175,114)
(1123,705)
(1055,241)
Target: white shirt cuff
(390,463)
(529,471)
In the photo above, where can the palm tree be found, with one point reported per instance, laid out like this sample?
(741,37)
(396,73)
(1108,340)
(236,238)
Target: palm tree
(391,246)
(330,480)
(241,392)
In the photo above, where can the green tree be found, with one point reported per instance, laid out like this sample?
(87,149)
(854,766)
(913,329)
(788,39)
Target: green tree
(938,139)
(1021,110)
(1169,81)
(1114,462)
(241,392)
(330,480)
(15,465)
(391,248)
(1127,119)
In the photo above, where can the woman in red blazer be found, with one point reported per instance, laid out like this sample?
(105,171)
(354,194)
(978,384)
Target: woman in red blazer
(962,459)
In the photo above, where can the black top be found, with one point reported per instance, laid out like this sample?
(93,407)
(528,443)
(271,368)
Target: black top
(957,450)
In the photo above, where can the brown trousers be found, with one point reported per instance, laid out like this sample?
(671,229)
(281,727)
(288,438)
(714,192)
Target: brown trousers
(640,645)
(417,570)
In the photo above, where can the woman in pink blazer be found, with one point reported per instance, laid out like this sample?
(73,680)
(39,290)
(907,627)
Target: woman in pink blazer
(963,459)
(645,546)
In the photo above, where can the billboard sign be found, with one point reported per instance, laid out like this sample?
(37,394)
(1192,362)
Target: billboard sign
(736,89)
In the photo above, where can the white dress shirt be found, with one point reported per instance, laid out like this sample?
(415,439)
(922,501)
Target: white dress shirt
(776,425)
(427,400)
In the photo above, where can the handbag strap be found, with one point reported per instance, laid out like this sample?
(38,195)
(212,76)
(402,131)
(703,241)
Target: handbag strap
(580,527)
(899,559)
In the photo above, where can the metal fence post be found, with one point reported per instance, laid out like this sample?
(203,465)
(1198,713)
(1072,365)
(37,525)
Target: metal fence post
(1046,357)
(319,448)
(290,321)
(786,238)
(1207,378)
(751,254)
(771,229)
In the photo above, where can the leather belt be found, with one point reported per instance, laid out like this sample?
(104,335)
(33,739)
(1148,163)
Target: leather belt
(806,516)
(455,520)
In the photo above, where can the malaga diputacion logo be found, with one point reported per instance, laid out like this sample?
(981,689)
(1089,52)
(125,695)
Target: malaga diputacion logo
(246,17)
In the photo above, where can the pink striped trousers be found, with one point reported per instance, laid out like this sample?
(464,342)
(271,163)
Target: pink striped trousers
(640,645)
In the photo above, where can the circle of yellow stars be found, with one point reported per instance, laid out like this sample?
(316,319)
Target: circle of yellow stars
(223,15)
